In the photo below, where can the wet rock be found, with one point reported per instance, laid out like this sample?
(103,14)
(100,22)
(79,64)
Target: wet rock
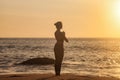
(37,61)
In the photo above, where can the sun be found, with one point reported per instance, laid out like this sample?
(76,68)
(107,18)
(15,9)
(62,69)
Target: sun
(116,10)
(112,16)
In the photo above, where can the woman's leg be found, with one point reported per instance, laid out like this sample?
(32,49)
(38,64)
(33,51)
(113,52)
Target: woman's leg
(58,61)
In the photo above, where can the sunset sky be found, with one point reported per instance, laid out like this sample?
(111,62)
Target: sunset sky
(81,18)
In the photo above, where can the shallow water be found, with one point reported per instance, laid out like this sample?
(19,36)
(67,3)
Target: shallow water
(82,56)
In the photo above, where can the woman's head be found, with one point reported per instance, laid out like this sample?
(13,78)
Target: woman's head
(58,25)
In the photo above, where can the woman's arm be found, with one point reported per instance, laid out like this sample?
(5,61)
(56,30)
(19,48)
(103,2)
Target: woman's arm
(65,37)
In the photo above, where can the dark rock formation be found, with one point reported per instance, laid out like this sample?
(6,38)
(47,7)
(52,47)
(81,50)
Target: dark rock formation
(37,61)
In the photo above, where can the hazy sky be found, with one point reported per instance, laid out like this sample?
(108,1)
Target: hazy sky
(81,18)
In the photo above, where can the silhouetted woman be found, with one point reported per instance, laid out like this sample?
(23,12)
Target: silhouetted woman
(59,49)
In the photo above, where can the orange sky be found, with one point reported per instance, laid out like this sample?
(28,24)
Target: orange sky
(81,18)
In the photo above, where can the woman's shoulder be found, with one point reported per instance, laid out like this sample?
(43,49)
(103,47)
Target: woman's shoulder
(63,33)
(56,33)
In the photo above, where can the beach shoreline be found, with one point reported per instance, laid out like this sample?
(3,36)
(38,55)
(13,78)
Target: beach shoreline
(50,76)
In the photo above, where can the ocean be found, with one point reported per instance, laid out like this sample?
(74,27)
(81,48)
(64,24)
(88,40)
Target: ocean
(82,56)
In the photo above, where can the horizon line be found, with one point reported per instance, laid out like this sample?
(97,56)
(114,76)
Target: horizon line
(68,37)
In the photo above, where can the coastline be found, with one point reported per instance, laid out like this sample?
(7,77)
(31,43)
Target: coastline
(50,76)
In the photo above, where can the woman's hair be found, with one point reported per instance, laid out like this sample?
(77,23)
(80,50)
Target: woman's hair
(58,25)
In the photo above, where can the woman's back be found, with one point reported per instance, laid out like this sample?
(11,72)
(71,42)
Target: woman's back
(59,36)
